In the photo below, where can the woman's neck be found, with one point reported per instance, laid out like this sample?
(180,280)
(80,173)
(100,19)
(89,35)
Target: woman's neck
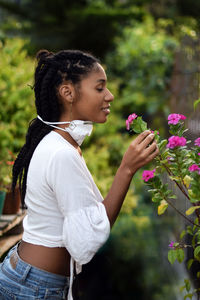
(68,138)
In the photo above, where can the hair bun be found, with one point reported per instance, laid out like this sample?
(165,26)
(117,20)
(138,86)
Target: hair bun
(42,54)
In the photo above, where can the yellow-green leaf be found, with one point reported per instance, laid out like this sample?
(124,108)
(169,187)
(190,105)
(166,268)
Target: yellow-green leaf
(196,103)
(191,194)
(162,207)
(189,263)
(197,252)
(191,210)
(187,179)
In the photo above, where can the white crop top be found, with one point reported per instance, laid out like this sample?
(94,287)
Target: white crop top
(64,206)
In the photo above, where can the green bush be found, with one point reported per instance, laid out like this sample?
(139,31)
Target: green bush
(16,97)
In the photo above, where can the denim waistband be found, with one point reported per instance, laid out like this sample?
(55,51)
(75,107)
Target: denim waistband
(29,272)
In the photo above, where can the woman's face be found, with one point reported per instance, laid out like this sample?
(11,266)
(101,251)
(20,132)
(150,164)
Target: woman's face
(93,101)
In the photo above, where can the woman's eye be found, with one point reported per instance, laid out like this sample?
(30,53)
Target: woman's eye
(99,90)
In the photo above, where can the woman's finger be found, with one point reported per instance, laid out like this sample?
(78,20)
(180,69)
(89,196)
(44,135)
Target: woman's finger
(145,142)
(153,155)
(142,136)
(152,150)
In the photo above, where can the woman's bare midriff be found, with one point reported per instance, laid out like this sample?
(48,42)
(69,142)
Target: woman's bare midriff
(55,260)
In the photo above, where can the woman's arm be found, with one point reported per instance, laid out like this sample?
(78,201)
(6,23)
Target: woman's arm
(139,153)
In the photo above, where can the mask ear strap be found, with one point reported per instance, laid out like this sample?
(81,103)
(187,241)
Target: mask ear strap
(50,123)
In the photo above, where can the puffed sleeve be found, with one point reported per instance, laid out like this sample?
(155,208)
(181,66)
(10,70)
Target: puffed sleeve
(86,226)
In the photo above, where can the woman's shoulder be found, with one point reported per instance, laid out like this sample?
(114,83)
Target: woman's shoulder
(54,146)
(59,148)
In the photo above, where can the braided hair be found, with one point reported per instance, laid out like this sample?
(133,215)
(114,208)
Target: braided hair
(51,70)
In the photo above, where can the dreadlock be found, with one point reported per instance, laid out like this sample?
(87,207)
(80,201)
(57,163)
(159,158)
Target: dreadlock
(51,70)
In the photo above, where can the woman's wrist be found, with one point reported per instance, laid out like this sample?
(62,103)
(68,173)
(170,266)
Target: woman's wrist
(126,170)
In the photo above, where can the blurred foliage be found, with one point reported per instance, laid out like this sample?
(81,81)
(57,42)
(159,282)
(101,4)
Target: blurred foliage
(67,24)
(6,162)
(16,105)
(142,65)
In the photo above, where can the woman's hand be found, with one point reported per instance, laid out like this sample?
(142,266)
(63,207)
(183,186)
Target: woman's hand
(140,152)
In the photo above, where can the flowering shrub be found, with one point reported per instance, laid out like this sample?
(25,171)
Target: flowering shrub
(182,166)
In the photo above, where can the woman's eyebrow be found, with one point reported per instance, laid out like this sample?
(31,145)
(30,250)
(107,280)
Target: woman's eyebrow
(101,80)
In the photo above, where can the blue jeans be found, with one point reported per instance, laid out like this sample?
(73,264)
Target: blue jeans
(20,280)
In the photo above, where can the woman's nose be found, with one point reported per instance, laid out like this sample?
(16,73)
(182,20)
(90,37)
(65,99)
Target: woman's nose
(109,96)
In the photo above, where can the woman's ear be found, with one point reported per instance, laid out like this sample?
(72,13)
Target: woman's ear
(66,92)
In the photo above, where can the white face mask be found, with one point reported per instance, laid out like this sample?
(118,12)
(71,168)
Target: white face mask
(77,129)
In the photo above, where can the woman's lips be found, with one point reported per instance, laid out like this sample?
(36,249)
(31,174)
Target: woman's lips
(106,109)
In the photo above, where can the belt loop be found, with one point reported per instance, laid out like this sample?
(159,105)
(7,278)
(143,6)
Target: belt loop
(25,272)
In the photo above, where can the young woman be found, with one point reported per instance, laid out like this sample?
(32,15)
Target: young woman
(67,219)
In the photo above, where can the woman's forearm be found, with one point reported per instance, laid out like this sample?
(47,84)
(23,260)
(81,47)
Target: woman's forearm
(117,193)
(140,152)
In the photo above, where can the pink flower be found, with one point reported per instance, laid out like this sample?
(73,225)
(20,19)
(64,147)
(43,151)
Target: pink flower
(130,120)
(197,142)
(176,141)
(193,168)
(182,117)
(132,117)
(198,153)
(171,245)
(146,175)
(175,118)
(127,125)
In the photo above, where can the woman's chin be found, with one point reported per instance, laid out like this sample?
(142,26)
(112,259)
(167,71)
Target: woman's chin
(102,120)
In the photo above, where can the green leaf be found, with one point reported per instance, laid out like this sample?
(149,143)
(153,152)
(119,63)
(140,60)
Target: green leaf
(182,288)
(139,125)
(155,199)
(189,230)
(188,296)
(172,256)
(173,197)
(196,221)
(198,274)
(187,285)
(153,190)
(193,241)
(196,103)
(183,233)
(180,255)
(162,144)
(189,263)
(176,178)
(191,210)
(197,252)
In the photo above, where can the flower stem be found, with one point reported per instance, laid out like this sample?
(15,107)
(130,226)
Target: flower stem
(174,207)
(171,174)
(180,213)
(181,188)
